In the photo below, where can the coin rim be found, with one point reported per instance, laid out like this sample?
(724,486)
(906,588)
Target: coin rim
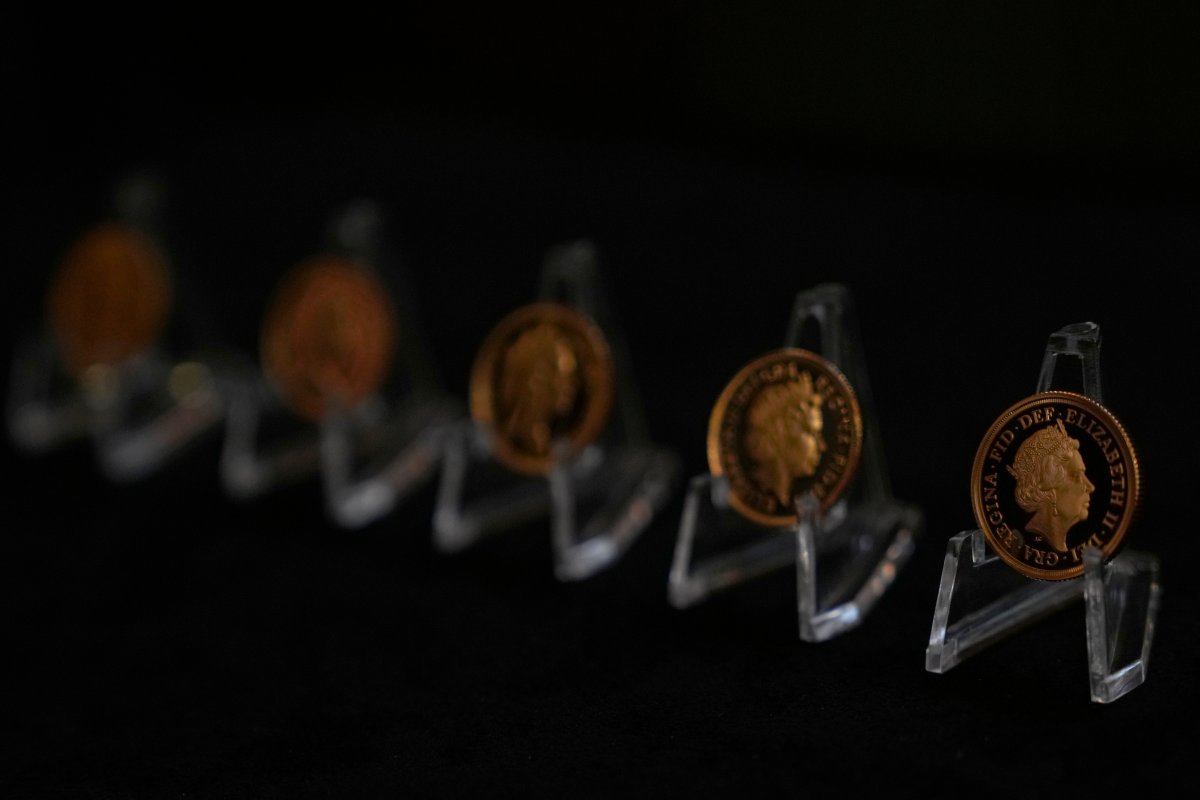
(481,395)
(1134,472)
(721,406)
(288,285)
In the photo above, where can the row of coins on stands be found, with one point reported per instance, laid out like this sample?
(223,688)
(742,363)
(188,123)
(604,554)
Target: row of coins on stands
(1055,472)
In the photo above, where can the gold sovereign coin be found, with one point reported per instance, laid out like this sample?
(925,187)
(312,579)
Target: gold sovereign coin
(543,376)
(787,424)
(328,335)
(109,298)
(1056,473)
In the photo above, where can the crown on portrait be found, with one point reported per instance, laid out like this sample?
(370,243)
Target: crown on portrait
(1041,444)
(778,400)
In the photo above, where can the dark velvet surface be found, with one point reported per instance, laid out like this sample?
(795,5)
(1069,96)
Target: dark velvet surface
(976,181)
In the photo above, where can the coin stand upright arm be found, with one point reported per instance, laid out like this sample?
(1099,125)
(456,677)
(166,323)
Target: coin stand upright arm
(368,456)
(981,600)
(140,410)
(845,558)
(598,499)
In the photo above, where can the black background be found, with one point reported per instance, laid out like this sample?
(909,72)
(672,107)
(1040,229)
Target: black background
(978,178)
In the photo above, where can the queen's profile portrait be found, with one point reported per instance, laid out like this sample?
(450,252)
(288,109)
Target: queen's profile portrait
(1051,483)
(540,382)
(783,435)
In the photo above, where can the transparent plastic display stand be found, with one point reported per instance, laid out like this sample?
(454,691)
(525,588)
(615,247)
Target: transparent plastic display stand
(370,457)
(982,600)
(600,499)
(139,413)
(846,558)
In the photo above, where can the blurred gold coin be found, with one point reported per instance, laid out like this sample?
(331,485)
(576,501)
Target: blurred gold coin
(788,423)
(328,335)
(109,299)
(543,375)
(1054,474)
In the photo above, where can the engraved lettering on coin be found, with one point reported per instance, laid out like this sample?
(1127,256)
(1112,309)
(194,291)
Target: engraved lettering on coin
(328,335)
(543,376)
(1055,474)
(109,299)
(788,423)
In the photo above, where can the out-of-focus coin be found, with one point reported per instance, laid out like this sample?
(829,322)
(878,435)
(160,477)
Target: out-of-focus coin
(109,299)
(787,424)
(328,335)
(1055,473)
(543,376)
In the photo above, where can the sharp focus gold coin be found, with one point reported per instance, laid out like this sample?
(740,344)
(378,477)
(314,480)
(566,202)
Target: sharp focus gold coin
(1054,474)
(787,424)
(328,334)
(109,299)
(544,375)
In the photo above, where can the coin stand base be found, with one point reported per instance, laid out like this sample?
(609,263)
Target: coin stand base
(598,502)
(368,458)
(265,445)
(406,448)
(982,600)
(139,414)
(846,558)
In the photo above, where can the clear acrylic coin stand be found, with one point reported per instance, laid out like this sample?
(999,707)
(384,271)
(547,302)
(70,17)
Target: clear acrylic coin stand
(600,499)
(982,600)
(370,457)
(139,413)
(846,558)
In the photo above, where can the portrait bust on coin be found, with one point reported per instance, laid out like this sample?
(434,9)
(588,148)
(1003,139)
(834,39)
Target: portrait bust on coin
(539,383)
(1051,483)
(543,376)
(786,425)
(783,436)
(328,335)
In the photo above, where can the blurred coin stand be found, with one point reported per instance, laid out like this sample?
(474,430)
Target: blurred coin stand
(982,600)
(104,365)
(846,558)
(600,498)
(370,454)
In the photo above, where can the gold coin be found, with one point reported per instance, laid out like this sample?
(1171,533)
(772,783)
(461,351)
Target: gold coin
(327,335)
(109,298)
(1055,473)
(787,424)
(543,376)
